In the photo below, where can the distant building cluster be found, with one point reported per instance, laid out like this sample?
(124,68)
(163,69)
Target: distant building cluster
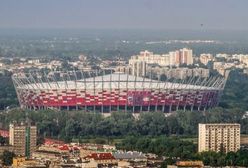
(175,58)
(149,64)
(178,73)
(55,153)
(138,63)
(223,63)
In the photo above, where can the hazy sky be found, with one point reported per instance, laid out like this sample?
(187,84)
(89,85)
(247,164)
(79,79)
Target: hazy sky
(146,14)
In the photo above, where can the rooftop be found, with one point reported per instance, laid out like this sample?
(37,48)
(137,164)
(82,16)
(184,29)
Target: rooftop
(129,155)
(118,81)
(100,156)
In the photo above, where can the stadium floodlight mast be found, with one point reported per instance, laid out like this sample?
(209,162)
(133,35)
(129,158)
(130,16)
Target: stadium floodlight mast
(103,91)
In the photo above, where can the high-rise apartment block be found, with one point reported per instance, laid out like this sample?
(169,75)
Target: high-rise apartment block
(138,63)
(219,137)
(183,56)
(138,68)
(23,138)
(150,58)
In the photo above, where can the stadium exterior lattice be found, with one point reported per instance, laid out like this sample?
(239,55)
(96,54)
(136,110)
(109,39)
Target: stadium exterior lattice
(114,91)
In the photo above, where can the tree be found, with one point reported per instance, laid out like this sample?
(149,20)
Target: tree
(168,161)
(2,140)
(231,158)
(7,157)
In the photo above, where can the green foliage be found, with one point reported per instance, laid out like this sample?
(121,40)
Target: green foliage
(174,149)
(7,92)
(3,140)
(168,161)
(7,158)
(151,124)
(235,93)
(70,125)
(221,159)
(162,146)
(100,141)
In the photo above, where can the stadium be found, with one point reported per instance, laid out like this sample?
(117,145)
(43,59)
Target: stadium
(108,91)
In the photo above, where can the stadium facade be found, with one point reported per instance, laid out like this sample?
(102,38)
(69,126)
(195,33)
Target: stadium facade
(103,91)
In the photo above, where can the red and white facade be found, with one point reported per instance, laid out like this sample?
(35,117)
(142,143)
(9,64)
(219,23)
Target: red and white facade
(115,92)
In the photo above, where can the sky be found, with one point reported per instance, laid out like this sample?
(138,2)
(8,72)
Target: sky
(125,14)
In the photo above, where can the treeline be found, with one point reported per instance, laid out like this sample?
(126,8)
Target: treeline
(235,92)
(7,91)
(77,124)
(172,147)
(175,149)
(215,159)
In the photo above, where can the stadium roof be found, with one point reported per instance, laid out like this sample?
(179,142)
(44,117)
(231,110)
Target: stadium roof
(113,81)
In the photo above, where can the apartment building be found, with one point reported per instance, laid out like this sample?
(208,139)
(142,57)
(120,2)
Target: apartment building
(23,138)
(219,137)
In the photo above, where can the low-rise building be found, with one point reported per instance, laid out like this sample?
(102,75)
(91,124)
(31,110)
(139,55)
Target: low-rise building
(179,73)
(109,148)
(22,162)
(47,155)
(206,58)
(6,148)
(1,64)
(4,133)
(86,152)
(101,159)
(34,61)
(133,158)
